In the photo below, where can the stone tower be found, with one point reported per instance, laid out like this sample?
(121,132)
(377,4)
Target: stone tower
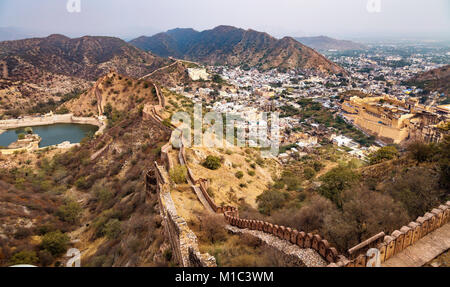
(3,70)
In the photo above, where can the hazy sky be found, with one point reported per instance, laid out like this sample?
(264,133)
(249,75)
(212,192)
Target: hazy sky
(337,18)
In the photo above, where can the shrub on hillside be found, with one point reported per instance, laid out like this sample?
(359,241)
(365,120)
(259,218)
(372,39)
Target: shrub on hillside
(422,152)
(270,200)
(289,180)
(82,184)
(24,257)
(212,162)
(69,212)
(239,174)
(317,166)
(383,154)
(418,190)
(364,213)
(308,218)
(112,229)
(55,242)
(309,173)
(178,174)
(336,181)
(260,161)
(213,227)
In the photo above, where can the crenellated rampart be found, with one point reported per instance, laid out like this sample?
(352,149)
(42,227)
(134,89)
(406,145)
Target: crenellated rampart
(182,240)
(231,214)
(397,241)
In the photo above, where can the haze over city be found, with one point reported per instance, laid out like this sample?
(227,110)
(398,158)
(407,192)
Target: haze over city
(348,19)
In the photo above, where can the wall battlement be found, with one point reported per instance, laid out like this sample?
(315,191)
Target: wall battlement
(182,240)
(398,240)
(231,214)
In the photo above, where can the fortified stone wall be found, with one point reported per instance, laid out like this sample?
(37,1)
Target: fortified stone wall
(389,245)
(182,240)
(4,69)
(231,214)
(397,135)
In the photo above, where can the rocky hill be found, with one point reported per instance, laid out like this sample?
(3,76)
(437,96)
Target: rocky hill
(171,75)
(225,45)
(434,80)
(86,58)
(324,43)
(37,70)
(114,92)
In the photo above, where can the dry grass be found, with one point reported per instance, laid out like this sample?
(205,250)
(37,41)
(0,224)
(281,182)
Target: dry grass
(226,187)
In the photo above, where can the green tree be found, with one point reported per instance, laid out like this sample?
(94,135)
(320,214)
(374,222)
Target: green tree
(336,181)
(270,200)
(24,257)
(383,154)
(55,242)
(70,212)
(309,173)
(178,174)
(239,174)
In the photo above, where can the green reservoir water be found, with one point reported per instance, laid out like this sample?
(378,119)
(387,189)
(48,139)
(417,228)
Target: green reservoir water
(51,134)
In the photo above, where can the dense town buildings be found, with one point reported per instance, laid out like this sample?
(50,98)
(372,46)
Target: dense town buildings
(374,98)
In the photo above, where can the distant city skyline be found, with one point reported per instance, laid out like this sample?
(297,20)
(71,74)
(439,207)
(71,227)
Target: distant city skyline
(344,19)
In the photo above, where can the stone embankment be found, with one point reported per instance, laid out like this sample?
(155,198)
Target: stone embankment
(51,120)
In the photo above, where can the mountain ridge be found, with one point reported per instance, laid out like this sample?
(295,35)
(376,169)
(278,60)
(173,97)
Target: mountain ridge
(41,70)
(434,80)
(227,45)
(86,57)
